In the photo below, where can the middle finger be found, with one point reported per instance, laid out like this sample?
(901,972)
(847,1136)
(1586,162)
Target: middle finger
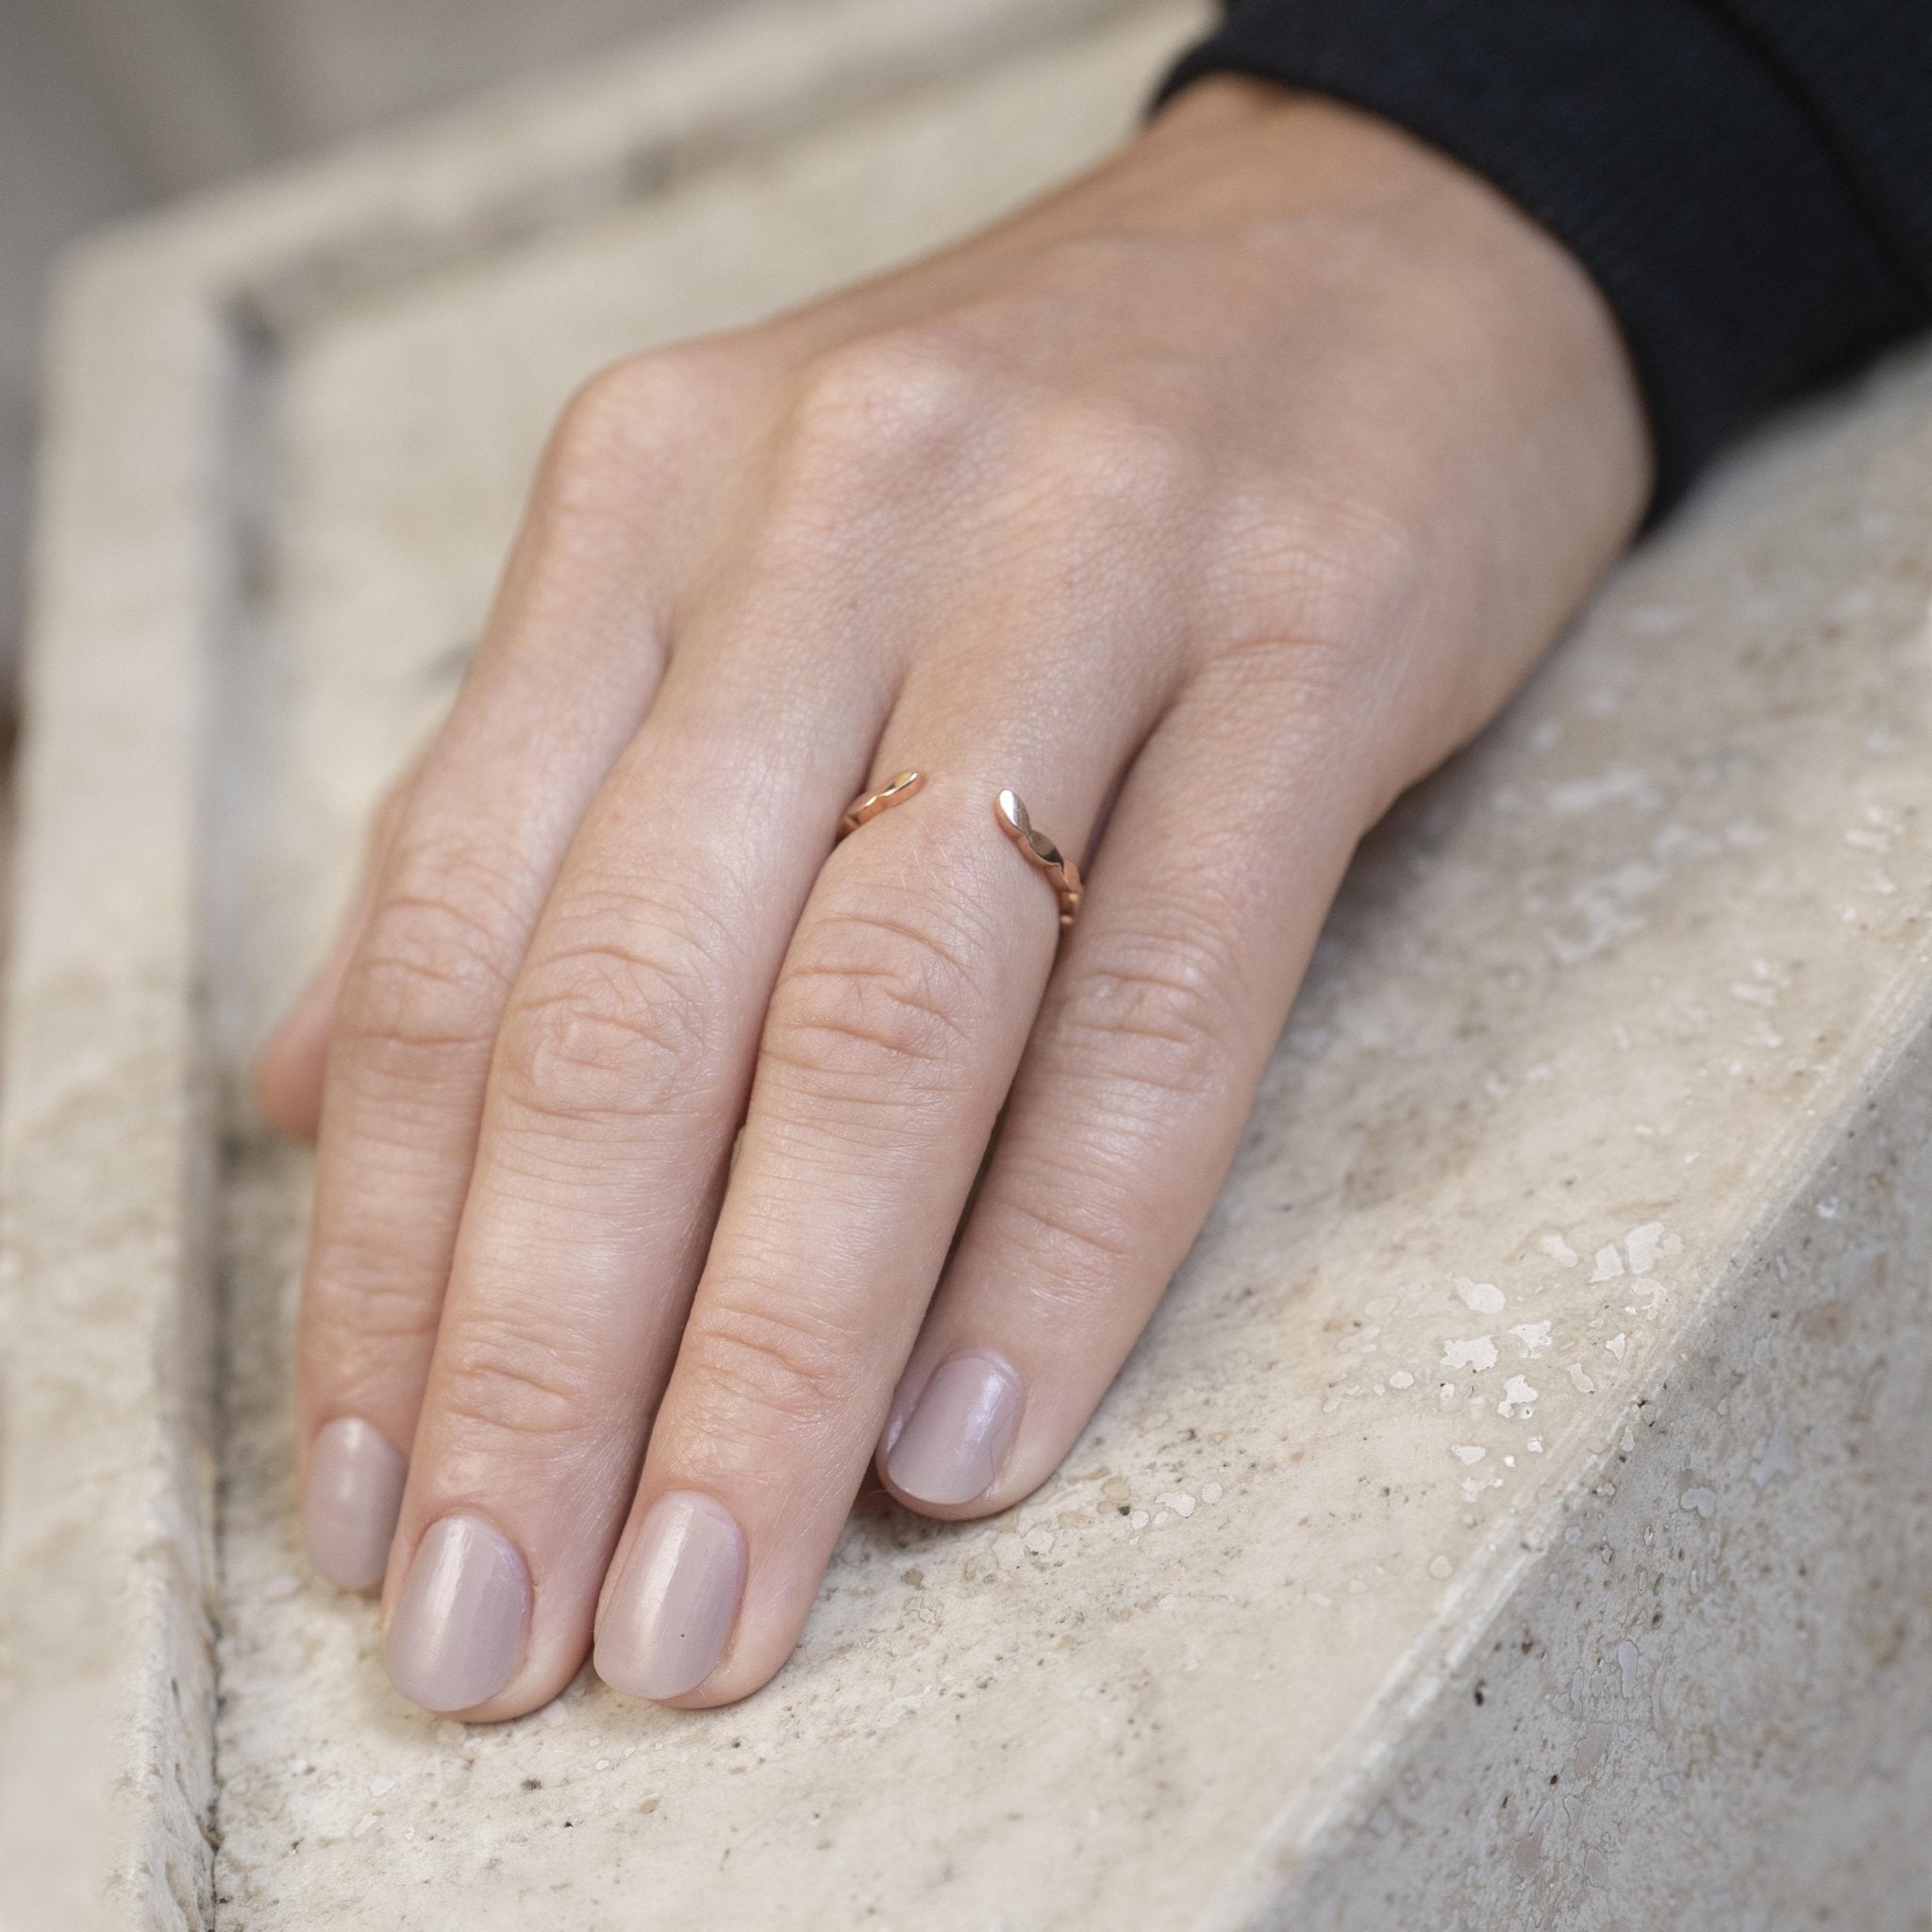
(893,1033)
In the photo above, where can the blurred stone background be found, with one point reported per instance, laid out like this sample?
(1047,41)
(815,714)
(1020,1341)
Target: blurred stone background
(107,106)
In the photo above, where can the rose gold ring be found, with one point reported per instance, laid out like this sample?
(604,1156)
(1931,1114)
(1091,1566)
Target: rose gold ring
(1062,873)
(868,804)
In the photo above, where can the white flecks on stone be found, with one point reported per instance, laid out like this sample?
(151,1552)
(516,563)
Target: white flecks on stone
(1535,1445)
(1645,1244)
(901,1707)
(1609,1264)
(1439,1567)
(1621,784)
(1580,1378)
(1558,1250)
(1402,1379)
(1776,1458)
(1480,1297)
(1617,1345)
(1517,1397)
(1179,1502)
(1699,1502)
(1471,1452)
(1478,1353)
(1533,1337)
(1629,1666)
(1210,1492)
(1037,1542)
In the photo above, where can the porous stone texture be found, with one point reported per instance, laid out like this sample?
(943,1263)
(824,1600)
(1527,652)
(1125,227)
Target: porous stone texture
(1519,1515)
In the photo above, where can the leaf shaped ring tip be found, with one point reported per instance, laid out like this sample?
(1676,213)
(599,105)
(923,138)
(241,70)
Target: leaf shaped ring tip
(1062,873)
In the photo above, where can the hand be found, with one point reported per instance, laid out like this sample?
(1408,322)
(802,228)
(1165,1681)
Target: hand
(1205,504)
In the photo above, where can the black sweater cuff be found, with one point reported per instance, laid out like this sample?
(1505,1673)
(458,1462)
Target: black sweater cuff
(1650,140)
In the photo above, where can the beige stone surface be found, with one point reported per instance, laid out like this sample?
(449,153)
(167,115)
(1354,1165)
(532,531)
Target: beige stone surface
(1520,1516)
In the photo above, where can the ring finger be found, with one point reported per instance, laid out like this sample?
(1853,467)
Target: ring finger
(1221,856)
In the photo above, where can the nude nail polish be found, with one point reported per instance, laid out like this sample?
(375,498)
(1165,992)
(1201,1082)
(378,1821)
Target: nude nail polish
(462,1619)
(952,1443)
(673,1607)
(349,1505)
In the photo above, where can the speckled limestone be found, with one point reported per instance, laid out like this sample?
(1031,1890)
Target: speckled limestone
(1520,1516)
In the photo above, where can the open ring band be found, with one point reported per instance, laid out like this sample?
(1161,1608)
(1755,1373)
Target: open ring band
(868,804)
(1062,873)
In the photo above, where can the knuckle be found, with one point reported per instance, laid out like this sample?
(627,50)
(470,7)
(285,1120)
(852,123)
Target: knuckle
(1069,1241)
(501,1375)
(1330,577)
(602,1032)
(592,444)
(1108,459)
(760,1363)
(611,415)
(354,1293)
(870,1005)
(868,407)
(625,423)
(429,975)
(1153,1014)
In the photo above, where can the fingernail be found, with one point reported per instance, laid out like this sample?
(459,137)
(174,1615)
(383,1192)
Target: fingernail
(349,1507)
(664,1628)
(958,1433)
(463,1618)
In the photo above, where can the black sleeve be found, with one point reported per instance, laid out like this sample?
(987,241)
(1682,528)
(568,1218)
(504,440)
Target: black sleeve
(1748,181)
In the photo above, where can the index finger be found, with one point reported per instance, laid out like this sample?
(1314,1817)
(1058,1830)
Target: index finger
(571,657)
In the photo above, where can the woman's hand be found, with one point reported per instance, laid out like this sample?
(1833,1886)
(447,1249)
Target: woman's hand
(1205,504)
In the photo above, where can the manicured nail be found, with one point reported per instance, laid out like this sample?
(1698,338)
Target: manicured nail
(460,1624)
(664,1628)
(957,1434)
(349,1507)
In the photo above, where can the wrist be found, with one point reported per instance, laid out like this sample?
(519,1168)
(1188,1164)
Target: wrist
(1504,290)
(1501,428)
